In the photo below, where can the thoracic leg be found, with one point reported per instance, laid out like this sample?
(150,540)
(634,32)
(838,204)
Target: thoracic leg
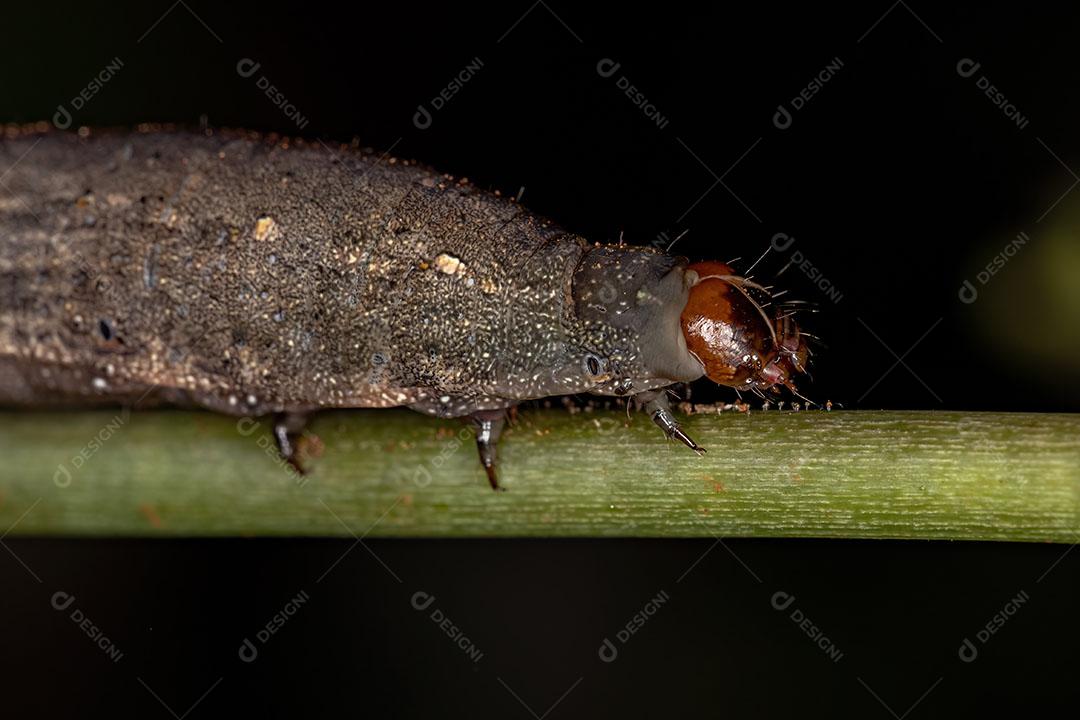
(489,425)
(655,403)
(287,429)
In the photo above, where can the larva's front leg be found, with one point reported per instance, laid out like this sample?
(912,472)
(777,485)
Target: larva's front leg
(655,403)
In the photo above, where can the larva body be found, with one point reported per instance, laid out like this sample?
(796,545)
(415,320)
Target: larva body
(249,276)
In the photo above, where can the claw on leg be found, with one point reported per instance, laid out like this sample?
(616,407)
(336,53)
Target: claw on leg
(671,428)
(656,404)
(489,425)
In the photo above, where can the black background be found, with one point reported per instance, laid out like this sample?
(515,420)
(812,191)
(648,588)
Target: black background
(899,180)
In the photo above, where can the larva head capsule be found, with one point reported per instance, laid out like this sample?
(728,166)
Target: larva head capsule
(729,328)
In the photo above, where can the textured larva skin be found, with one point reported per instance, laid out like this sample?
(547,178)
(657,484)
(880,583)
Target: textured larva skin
(251,275)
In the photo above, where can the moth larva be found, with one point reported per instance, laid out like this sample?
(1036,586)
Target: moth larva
(253,275)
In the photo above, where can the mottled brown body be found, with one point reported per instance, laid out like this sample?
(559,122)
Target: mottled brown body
(249,275)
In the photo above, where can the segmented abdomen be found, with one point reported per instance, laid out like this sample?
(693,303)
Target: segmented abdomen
(249,275)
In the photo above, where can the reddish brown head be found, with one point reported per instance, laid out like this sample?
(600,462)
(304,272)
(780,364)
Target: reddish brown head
(740,339)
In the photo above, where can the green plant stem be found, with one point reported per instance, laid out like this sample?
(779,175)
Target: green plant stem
(920,475)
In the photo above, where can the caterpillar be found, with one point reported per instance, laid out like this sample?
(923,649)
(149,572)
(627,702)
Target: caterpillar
(256,275)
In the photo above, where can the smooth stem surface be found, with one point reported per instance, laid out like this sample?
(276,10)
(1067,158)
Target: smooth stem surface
(396,473)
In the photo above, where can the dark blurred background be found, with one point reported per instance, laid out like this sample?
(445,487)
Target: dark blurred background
(914,164)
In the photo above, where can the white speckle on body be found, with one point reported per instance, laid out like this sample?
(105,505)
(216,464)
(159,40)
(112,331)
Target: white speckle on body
(449,264)
(263,227)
